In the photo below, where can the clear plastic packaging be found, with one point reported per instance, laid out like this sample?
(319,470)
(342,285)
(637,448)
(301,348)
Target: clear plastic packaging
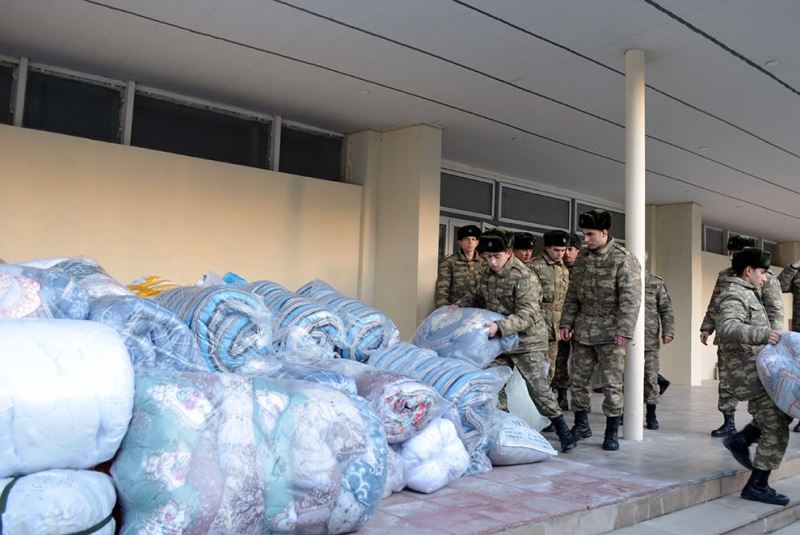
(151,285)
(433,458)
(512,441)
(66,394)
(366,329)
(29,292)
(231,325)
(779,370)
(90,276)
(462,333)
(221,452)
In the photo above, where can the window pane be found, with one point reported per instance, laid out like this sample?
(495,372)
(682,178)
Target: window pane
(6,75)
(310,154)
(617,219)
(459,193)
(713,241)
(171,127)
(72,107)
(521,205)
(772,248)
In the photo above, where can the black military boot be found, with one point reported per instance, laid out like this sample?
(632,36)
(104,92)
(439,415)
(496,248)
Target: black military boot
(796,428)
(561,398)
(568,442)
(758,489)
(650,420)
(549,428)
(739,444)
(610,441)
(727,428)
(663,384)
(581,428)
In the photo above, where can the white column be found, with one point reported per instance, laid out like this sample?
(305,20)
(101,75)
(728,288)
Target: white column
(635,230)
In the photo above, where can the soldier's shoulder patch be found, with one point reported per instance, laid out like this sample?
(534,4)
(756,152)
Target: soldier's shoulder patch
(524,283)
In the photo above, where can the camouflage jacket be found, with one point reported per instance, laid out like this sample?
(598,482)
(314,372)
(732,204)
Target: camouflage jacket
(516,293)
(457,277)
(742,330)
(790,282)
(604,295)
(659,318)
(554,278)
(770,296)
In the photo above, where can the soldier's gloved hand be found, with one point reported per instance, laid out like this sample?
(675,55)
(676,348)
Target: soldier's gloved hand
(492,329)
(773,337)
(621,341)
(666,339)
(704,337)
(566,334)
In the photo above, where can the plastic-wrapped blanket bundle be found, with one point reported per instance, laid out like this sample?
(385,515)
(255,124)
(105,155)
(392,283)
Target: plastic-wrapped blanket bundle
(779,370)
(231,325)
(366,329)
(472,391)
(462,333)
(433,458)
(58,501)
(295,311)
(305,372)
(155,336)
(225,453)
(66,394)
(512,441)
(90,276)
(29,292)
(395,479)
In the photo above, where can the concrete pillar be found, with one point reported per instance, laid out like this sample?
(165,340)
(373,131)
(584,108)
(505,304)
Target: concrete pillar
(635,230)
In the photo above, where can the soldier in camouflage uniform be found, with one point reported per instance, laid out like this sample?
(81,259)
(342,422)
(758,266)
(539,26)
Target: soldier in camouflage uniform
(561,376)
(600,312)
(743,329)
(659,327)
(771,296)
(507,287)
(458,273)
(523,247)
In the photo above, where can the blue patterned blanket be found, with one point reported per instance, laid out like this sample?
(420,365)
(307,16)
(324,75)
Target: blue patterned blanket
(28,292)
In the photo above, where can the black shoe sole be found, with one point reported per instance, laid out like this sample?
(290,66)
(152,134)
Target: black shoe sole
(611,447)
(772,500)
(581,436)
(652,427)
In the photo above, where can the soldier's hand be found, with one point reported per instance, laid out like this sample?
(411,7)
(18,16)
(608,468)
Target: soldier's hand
(621,341)
(566,334)
(666,339)
(796,264)
(492,329)
(773,337)
(453,306)
(704,337)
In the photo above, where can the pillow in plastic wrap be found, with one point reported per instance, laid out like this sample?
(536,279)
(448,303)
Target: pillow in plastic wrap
(779,370)
(66,394)
(58,501)
(226,453)
(395,480)
(28,292)
(366,329)
(231,325)
(90,276)
(512,441)
(155,336)
(462,333)
(43,263)
(433,458)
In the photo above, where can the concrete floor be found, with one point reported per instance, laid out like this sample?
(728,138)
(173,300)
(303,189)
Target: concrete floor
(590,490)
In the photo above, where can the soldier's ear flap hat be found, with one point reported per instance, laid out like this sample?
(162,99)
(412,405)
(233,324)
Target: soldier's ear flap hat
(575,241)
(467,231)
(495,241)
(556,238)
(752,257)
(595,219)
(524,240)
(737,243)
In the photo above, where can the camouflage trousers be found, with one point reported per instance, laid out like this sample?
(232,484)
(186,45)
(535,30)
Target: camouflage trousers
(774,426)
(561,374)
(531,366)
(726,403)
(552,356)
(610,359)
(651,377)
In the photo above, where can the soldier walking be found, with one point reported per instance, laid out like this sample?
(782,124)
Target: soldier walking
(659,327)
(600,312)
(772,299)
(458,273)
(561,375)
(743,329)
(507,287)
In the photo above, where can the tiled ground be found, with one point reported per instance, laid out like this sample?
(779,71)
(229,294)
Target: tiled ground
(587,490)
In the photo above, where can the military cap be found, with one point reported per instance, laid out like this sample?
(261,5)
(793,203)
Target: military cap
(524,240)
(750,256)
(557,238)
(495,241)
(595,219)
(575,241)
(737,243)
(467,231)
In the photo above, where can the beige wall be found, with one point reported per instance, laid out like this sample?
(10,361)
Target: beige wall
(141,212)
